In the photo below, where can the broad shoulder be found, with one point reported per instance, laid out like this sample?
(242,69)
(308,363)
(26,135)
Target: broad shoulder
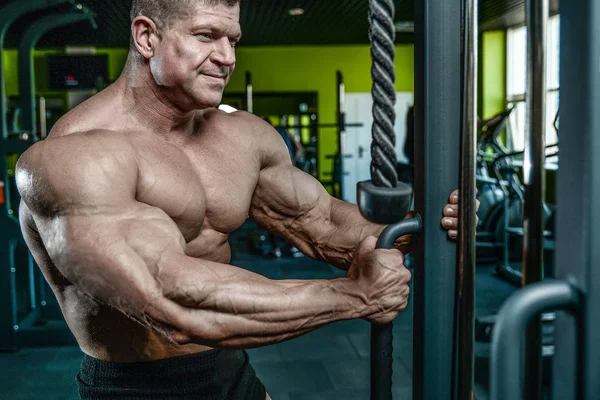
(256,133)
(57,170)
(242,122)
(76,146)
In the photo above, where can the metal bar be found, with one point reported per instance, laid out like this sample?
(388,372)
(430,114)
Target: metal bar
(43,119)
(8,14)
(12,267)
(467,219)
(249,93)
(328,125)
(391,233)
(506,377)
(437,129)
(534,183)
(31,272)
(26,72)
(576,365)
(341,102)
(341,131)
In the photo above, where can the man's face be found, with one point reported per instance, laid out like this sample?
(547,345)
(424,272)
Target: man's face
(195,57)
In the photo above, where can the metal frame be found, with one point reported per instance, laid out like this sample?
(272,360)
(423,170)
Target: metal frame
(8,14)
(534,184)
(465,313)
(437,127)
(507,378)
(16,332)
(26,72)
(577,359)
(249,93)
(576,363)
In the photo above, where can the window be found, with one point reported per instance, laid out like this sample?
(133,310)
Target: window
(516,78)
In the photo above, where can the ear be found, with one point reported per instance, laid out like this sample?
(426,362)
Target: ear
(145,35)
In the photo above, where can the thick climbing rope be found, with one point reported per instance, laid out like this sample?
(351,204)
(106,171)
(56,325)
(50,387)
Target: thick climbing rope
(382,34)
(383,164)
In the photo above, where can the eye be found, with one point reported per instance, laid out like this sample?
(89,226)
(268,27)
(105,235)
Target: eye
(233,42)
(205,36)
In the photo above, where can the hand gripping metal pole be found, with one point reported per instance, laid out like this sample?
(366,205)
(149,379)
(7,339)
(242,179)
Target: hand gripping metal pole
(506,372)
(383,165)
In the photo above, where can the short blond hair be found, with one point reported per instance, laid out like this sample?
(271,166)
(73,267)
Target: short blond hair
(165,12)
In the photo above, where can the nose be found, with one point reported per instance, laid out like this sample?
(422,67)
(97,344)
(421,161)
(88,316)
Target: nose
(224,53)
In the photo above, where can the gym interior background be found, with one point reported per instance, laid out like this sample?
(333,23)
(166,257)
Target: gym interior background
(293,50)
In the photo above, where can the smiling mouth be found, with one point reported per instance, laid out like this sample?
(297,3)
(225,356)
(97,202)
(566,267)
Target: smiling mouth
(216,76)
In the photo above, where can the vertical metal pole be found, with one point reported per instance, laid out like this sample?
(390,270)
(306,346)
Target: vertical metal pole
(534,178)
(466,213)
(26,72)
(576,364)
(43,119)
(437,147)
(341,122)
(249,93)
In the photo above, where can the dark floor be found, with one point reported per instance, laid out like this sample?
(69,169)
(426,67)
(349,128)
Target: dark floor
(329,363)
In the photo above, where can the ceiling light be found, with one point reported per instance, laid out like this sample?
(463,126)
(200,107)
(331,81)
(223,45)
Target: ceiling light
(405,27)
(294,12)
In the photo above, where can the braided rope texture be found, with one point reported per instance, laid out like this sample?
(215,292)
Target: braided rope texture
(383,163)
(382,34)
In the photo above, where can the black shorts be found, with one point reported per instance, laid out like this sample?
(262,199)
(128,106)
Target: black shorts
(210,375)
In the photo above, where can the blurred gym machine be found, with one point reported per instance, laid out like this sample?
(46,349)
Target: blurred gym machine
(294,116)
(26,318)
(336,183)
(294,112)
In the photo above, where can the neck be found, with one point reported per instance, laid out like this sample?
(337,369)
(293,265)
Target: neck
(145,101)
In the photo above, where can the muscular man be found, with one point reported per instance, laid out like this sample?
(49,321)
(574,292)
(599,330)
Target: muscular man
(128,204)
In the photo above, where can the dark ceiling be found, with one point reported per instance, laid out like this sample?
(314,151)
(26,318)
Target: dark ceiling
(264,22)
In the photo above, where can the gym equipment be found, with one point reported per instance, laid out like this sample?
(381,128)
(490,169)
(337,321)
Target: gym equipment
(576,368)
(335,183)
(377,196)
(384,199)
(512,223)
(514,316)
(500,189)
(26,46)
(249,93)
(438,110)
(23,303)
(521,311)
(465,305)
(491,191)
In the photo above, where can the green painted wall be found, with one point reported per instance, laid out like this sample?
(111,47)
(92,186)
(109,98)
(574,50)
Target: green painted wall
(493,73)
(274,69)
(116,61)
(313,68)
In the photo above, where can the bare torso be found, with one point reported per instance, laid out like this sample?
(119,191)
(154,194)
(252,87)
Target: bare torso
(204,182)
